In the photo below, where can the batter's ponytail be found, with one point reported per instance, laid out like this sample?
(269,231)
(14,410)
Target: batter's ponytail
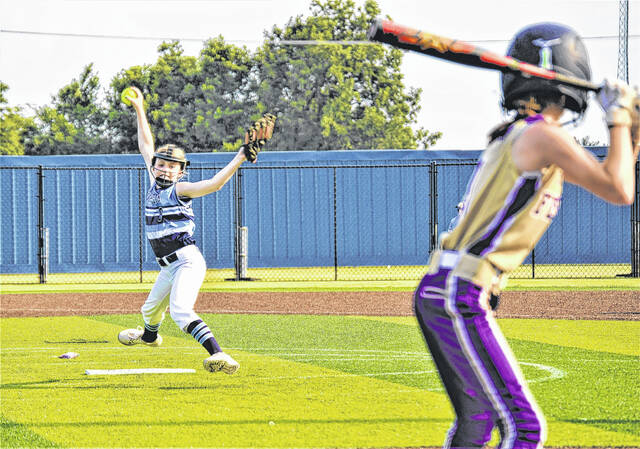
(502,128)
(526,108)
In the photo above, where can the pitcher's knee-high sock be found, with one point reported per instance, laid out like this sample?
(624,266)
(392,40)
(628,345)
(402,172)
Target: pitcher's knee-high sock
(201,332)
(150,332)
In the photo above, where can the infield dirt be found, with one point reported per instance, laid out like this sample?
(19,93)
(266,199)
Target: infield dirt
(592,305)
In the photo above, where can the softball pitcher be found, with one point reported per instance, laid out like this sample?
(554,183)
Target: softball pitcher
(510,201)
(169,228)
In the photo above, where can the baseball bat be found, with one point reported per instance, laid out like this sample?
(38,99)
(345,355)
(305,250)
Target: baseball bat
(453,50)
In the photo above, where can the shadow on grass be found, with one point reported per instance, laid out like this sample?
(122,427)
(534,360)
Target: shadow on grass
(75,341)
(625,426)
(242,422)
(50,385)
(602,421)
(29,385)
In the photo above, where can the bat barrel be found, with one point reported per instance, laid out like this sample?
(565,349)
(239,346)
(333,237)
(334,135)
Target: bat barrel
(460,52)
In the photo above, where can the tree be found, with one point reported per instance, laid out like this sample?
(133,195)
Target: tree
(228,100)
(74,123)
(333,96)
(200,103)
(12,126)
(327,96)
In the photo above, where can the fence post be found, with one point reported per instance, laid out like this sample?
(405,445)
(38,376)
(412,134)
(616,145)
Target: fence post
(237,222)
(242,253)
(43,234)
(433,206)
(240,233)
(635,229)
(140,225)
(335,225)
(533,263)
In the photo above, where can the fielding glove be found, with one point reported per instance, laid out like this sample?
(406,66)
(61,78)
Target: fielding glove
(257,135)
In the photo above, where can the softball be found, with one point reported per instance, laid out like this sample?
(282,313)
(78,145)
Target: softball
(128,92)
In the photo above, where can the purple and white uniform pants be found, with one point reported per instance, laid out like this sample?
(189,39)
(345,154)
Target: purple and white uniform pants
(476,365)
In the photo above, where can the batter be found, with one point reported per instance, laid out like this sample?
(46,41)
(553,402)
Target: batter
(510,201)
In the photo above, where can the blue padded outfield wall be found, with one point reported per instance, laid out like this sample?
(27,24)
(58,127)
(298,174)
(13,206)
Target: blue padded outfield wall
(381,198)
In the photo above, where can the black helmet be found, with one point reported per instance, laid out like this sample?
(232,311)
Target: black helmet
(554,47)
(170,153)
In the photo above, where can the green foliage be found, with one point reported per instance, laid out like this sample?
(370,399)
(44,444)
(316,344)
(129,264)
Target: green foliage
(327,96)
(200,103)
(13,126)
(336,96)
(74,123)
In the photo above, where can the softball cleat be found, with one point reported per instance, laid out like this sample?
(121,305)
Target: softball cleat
(221,361)
(130,337)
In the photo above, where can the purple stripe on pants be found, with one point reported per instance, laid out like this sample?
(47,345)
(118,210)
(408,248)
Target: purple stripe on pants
(475,366)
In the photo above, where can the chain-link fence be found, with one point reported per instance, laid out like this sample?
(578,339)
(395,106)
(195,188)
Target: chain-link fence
(284,222)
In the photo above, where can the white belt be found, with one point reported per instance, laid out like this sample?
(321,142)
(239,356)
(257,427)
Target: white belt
(448,259)
(469,267)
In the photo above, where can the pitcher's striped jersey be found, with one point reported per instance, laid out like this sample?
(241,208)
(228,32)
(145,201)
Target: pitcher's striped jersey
(169,219)
(505,212)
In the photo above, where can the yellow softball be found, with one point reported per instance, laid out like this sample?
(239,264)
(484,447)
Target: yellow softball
(128,92)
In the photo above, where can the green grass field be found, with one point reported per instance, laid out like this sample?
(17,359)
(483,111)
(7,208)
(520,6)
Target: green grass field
(606,273)
(304,381)
(395,278)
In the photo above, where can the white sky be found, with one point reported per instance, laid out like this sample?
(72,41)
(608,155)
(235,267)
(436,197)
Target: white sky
(461,102)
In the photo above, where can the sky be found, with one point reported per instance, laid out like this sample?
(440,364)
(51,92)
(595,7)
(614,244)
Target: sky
(39,54)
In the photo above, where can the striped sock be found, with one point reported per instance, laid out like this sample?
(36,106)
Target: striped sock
(150,332)
(201,332)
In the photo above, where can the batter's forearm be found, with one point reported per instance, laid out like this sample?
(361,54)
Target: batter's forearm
(619,163)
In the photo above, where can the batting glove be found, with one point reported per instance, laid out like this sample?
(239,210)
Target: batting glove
(635,121)
(617,99)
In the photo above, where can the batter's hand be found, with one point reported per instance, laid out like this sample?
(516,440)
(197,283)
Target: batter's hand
(616,98)
(635,123)
(256,136)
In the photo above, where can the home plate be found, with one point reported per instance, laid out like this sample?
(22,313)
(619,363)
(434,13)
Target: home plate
(115,372)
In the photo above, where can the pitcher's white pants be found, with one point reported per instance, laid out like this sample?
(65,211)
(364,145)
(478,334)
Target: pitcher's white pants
(176,287)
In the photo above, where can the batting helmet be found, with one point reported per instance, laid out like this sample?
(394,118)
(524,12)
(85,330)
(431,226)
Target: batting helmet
(172,153)
(554,47)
